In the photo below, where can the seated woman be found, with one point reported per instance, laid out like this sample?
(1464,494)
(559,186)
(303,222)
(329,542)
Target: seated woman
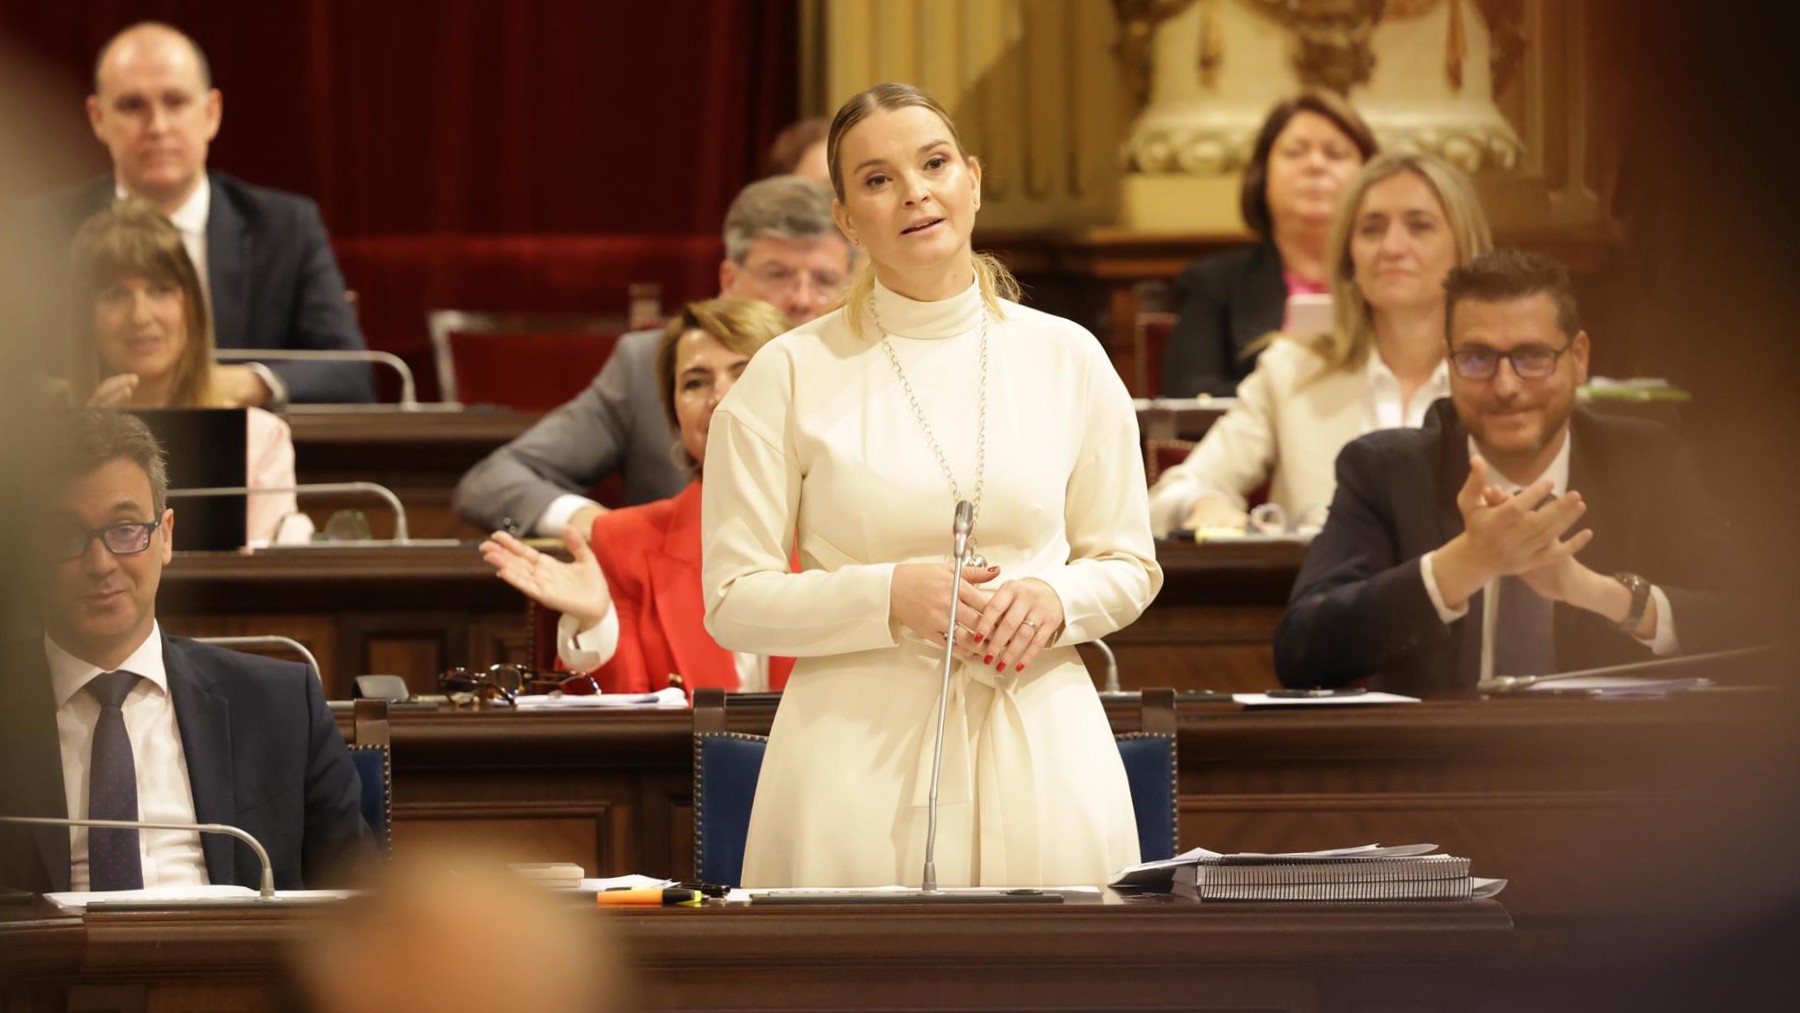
(1407,220)
(636,612)
(1309,147)
(155,347)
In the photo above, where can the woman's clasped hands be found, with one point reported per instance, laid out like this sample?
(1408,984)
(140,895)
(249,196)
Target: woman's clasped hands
(1003,626)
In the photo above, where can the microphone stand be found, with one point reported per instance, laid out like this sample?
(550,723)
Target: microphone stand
(409,398)
(265,892)
(929,892)
(959,553)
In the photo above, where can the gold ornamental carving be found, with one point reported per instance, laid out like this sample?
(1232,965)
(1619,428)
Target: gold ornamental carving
(1332,38)
(1138,21)
(1185,130)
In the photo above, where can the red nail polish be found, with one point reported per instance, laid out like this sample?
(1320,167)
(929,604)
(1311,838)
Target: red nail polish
(988,660)
(1000,667)
(1020,668)
(975,637)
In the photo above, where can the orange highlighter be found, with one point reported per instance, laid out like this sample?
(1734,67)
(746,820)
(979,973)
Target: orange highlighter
(654,896)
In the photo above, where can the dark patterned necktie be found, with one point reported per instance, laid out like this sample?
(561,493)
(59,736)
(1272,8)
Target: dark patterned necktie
(113,862)
(1523,640)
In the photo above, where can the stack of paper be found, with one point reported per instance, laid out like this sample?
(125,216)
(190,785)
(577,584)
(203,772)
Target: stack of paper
(1367,873)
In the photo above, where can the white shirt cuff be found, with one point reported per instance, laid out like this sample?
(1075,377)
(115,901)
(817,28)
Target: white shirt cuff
(1663,643)
(1445,613)
(1173,498)
(555,517)
(583,651)
(278,388)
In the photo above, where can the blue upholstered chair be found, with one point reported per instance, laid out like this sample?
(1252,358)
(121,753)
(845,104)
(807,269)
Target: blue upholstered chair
(374,761)
(727,764)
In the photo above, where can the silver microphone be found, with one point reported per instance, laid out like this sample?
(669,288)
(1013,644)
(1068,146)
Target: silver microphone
(266,892)
(401,536)
(959,528)
(409,398)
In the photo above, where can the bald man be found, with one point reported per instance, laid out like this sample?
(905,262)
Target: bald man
(262,255)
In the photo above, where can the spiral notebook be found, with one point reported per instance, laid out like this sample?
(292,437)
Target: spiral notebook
(1367,873)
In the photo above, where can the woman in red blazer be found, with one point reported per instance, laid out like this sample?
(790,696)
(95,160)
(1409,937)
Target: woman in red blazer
(632,608)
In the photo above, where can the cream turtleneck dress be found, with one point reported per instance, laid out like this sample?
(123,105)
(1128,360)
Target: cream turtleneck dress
(817,442)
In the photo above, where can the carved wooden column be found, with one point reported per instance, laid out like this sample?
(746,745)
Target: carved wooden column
(1032,84)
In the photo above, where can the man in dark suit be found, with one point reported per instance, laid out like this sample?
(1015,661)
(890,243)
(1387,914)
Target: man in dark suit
(1483,499)
(112,719)
(271,278)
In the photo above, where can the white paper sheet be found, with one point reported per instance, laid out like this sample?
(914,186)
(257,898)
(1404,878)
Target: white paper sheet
(1355,700)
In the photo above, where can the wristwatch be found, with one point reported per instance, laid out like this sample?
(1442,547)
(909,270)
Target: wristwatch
(1640,598)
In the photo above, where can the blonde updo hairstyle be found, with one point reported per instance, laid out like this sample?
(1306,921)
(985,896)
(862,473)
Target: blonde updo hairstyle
(1352,335)
(995,281)
(133,239)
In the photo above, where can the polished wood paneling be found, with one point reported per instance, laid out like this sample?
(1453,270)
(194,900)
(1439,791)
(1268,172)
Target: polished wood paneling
(413,611)
(1542,792)
(407,611)
(1079,956)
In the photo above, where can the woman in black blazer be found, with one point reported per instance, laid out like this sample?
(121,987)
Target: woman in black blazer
(1309,148)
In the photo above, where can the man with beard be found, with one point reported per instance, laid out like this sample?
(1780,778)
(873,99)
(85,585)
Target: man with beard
(1502,492)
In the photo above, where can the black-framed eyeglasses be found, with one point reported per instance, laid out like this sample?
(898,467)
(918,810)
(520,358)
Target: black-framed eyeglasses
(1529,362)
(124,539)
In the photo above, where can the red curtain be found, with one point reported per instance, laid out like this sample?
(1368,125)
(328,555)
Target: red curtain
(478,154)
(473,117)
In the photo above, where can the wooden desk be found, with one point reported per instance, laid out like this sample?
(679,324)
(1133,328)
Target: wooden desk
(1116,956)
(1543,792)
(415,611)
(422,455)
(405,611)
(419,455)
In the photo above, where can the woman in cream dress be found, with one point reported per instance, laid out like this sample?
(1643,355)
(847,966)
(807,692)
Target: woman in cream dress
(855,435)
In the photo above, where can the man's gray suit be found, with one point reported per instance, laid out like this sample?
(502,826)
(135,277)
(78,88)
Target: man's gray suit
(616,424)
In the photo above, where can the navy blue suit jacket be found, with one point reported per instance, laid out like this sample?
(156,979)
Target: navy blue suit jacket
(263,755)
(1359,608)
(273,279)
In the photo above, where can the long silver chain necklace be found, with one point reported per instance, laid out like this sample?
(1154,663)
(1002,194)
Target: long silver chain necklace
(887,345)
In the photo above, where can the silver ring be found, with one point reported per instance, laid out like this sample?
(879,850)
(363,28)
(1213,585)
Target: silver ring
(1030,622)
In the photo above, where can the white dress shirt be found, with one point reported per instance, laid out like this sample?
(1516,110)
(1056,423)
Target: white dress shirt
(556,516)
(190,220)
(1661,645)
(1387,409)
(170,857)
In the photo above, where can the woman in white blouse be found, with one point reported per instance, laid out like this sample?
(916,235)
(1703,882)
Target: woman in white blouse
(851,439)
(1406,220)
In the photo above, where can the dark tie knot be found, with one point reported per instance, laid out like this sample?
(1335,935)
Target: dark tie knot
(111,688)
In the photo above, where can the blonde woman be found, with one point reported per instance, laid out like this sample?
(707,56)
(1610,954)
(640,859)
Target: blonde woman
(1406,220)
(852,438)
(154,343)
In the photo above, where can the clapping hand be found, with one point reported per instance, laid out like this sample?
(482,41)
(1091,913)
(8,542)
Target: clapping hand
(114,392)
(1509,535)
(575,588)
